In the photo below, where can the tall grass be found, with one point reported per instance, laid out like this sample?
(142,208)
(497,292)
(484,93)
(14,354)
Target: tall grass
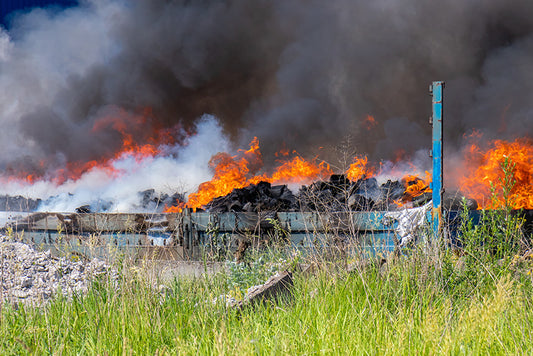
(407,306)
(478,300)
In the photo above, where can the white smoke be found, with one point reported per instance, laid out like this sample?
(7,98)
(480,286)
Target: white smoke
(43,51)
(178,169)
(418,165)
(300,75)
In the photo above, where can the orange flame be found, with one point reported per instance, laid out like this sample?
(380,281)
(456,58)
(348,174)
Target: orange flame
(233,172)
(484,171)
(358,169)
(298,170)
(284,152)
(370,122)
(140,140)
(127,126)
(414,187)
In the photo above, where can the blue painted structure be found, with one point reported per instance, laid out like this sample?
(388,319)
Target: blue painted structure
(190,234)
(437,184)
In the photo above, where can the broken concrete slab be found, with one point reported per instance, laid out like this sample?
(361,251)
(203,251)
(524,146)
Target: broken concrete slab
(276,286)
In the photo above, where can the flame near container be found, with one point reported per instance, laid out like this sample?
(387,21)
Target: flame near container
(189,231)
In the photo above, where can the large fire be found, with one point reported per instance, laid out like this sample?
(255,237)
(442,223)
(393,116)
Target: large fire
(484,170)
(231,172)
(153,140)
(484,174)
(482,180)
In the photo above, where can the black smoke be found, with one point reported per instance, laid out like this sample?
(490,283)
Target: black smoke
(296,73)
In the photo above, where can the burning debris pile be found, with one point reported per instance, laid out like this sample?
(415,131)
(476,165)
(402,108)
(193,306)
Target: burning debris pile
(254,198)
(296,184)
(239,184)
(341,194)
(235,187)
(337,194)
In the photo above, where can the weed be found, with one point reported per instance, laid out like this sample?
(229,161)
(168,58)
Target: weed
(218,244)
(487,246)
(397,310)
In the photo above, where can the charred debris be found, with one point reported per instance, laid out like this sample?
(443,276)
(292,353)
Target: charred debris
(149,200)
(336,194)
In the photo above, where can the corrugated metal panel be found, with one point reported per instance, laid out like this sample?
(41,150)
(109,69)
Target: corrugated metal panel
(190,233)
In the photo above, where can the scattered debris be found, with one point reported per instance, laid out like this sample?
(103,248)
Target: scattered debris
(84,209)
(18,203)
(154,201)
(33,277)
(256,197)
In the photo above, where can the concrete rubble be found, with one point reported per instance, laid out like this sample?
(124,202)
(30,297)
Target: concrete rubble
(31,277)
(276,286)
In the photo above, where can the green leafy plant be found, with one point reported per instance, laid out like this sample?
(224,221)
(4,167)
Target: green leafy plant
(279,233)
(498,233)
(218,244)
(488,245)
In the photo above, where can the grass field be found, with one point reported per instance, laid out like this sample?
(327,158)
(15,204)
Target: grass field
(419,304)
(434,299)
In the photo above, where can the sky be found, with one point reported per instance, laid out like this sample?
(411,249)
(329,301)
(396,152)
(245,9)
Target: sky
(7,7)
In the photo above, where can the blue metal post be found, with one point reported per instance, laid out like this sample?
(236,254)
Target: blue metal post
(437,187)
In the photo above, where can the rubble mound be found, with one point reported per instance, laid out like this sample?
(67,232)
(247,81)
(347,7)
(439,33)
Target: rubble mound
(256,197)
(31,277)
(18,203)
(337,194)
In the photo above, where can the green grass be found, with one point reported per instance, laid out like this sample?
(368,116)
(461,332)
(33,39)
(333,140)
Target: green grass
(412,305)
(430,302)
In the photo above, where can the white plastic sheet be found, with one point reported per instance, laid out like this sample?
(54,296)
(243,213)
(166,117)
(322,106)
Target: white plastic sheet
(410,222)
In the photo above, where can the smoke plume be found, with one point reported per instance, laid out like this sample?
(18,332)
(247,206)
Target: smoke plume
(296,73)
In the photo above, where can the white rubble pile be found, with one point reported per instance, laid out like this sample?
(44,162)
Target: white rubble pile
(33,277)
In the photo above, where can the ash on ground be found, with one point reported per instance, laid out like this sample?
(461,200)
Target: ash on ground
(32,277)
